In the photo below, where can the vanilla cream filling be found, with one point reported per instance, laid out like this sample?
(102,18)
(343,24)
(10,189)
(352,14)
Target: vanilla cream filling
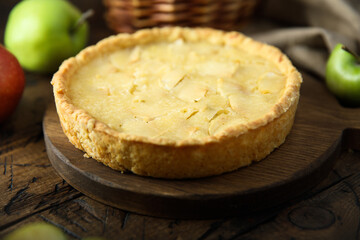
(177,90)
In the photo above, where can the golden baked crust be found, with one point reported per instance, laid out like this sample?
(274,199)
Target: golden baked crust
(234,147)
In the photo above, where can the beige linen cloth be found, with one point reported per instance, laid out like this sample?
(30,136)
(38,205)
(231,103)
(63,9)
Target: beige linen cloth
(307,30)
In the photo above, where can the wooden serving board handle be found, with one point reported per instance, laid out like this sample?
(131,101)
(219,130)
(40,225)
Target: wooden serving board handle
(322,129)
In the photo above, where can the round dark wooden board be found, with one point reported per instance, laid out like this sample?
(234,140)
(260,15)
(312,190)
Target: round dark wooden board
(321,130)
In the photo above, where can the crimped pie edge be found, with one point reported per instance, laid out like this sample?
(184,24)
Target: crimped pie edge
(233,148)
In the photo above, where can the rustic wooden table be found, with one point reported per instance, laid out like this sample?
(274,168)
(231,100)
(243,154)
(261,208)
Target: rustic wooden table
(31,190)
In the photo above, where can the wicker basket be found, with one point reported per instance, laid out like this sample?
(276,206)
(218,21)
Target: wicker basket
(130,15)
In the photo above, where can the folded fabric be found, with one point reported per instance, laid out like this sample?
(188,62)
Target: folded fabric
(307,30)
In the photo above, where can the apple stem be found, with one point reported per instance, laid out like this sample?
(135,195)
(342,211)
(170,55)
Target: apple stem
(357,57)
(83,18)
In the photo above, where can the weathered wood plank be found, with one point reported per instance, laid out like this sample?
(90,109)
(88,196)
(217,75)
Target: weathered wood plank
(329,211)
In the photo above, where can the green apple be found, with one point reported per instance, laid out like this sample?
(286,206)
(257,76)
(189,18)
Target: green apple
(37,231)
(43,33)
(343,75)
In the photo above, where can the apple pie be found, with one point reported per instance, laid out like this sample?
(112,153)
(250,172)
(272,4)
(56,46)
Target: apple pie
(177,102)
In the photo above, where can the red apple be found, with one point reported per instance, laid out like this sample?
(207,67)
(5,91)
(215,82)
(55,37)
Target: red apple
(12,83)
